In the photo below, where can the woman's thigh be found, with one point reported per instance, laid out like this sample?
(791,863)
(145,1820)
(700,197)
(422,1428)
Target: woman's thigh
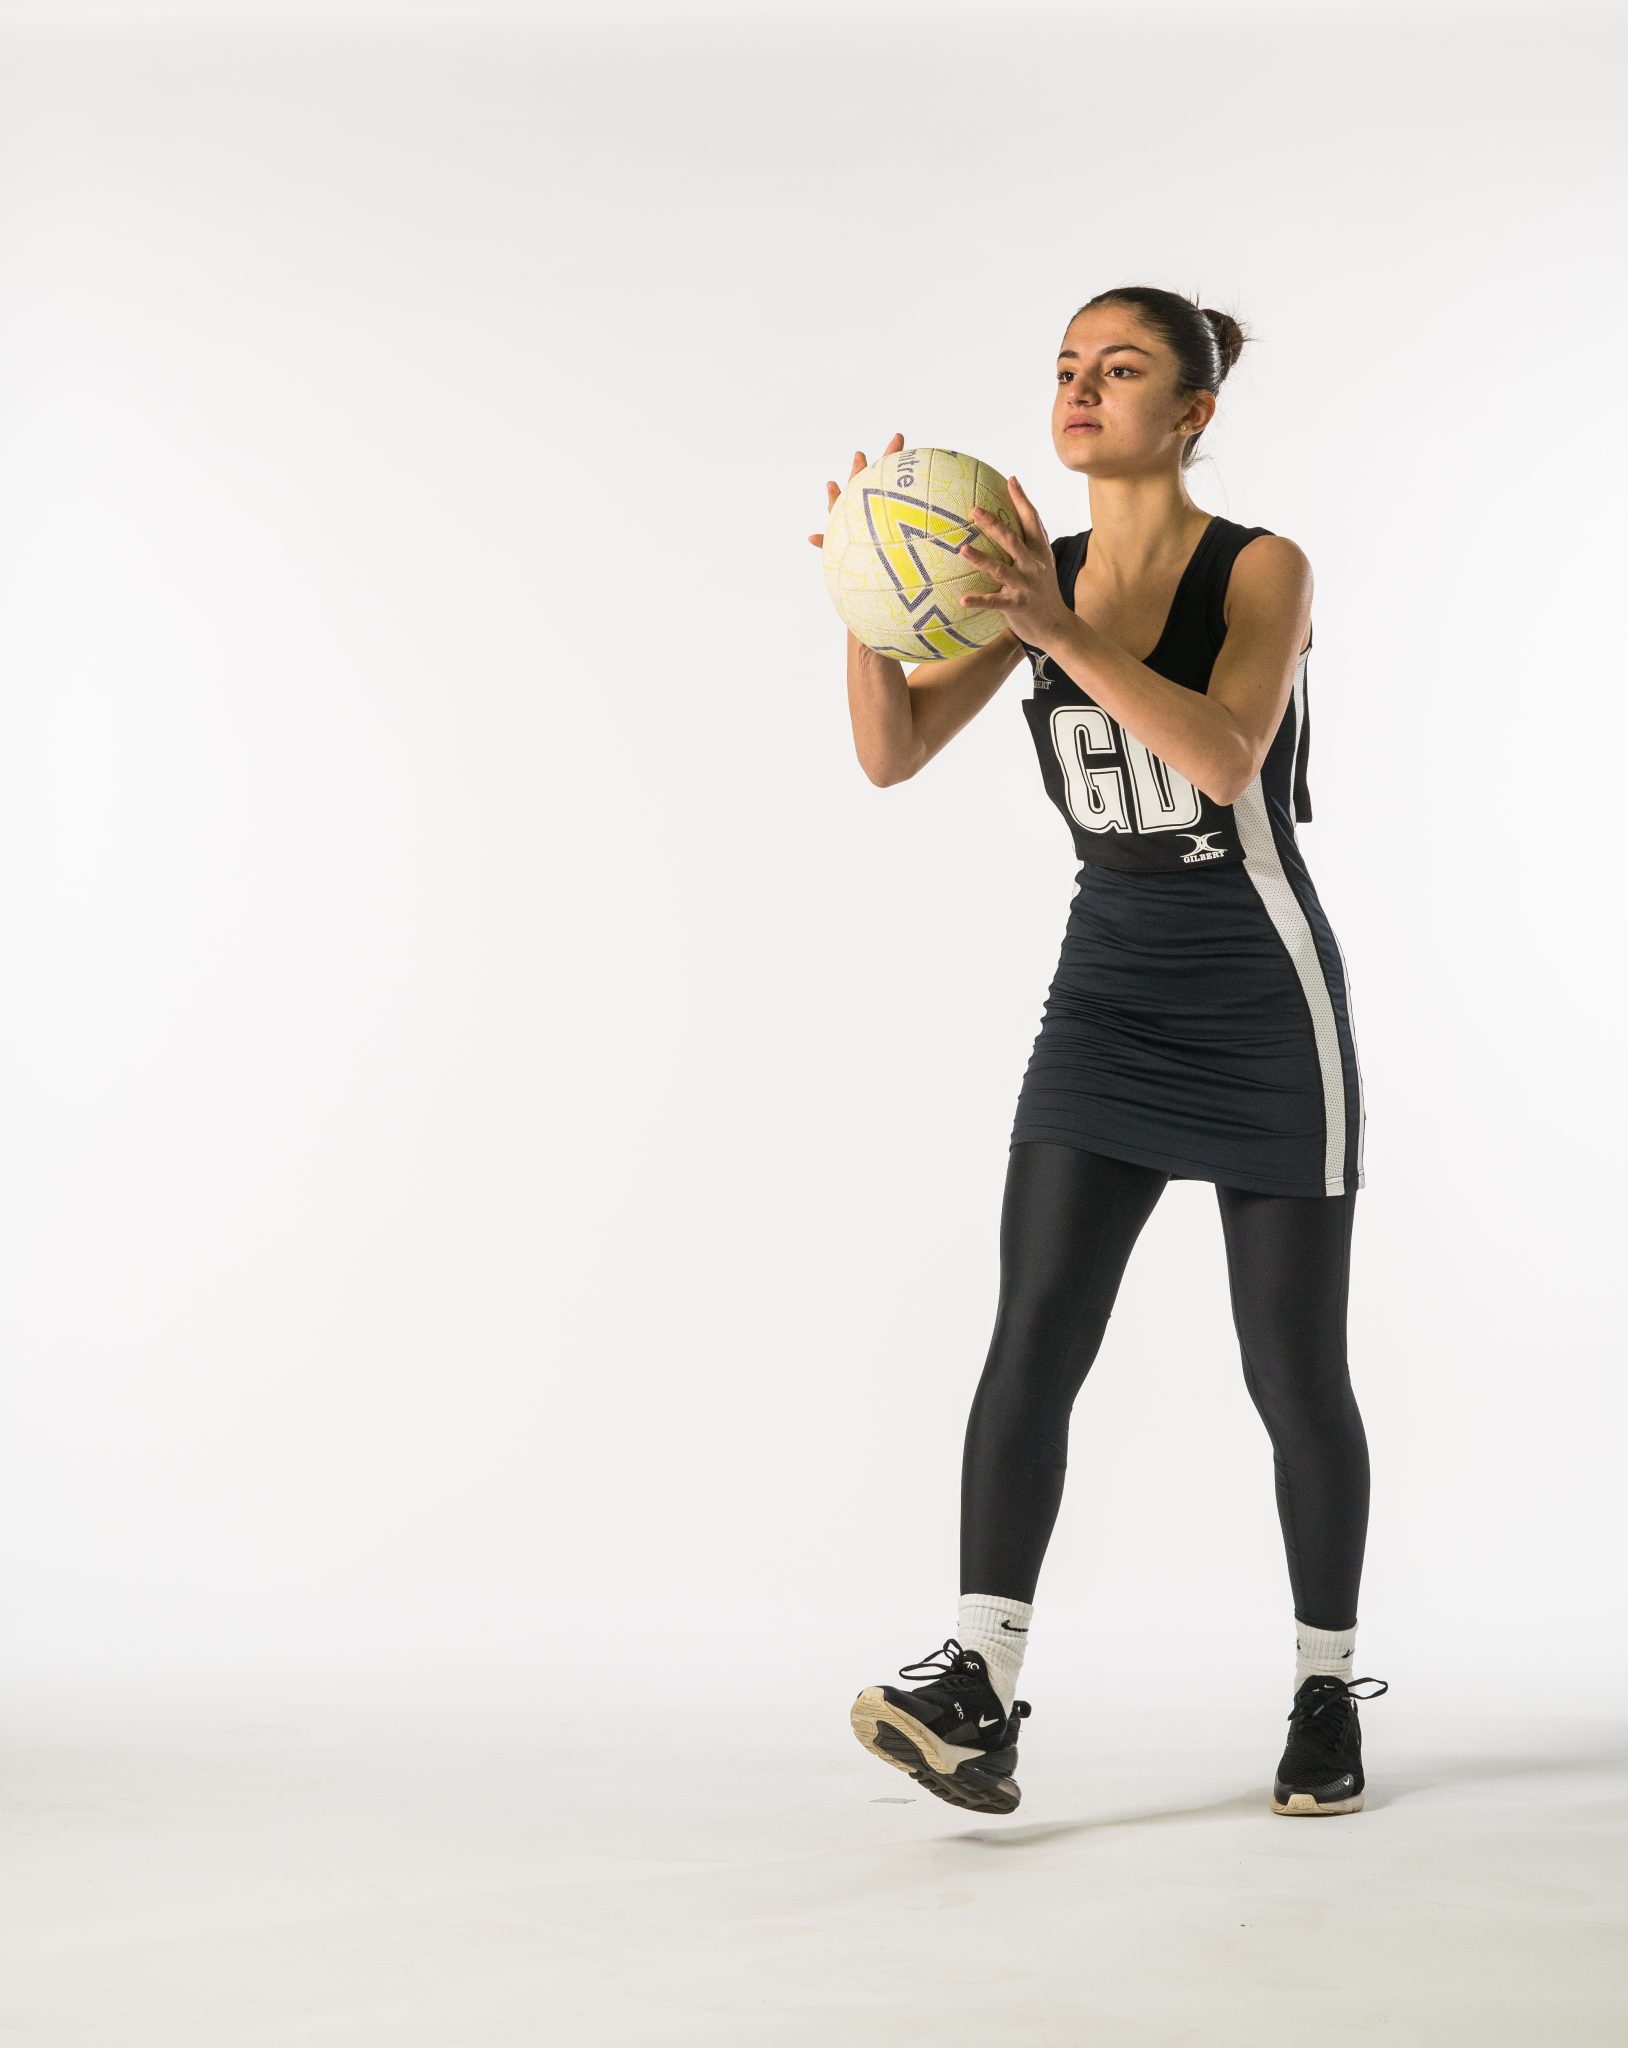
(1289,1277)
(1069,1220)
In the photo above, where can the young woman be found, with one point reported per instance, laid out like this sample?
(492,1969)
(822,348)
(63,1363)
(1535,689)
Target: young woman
(1198,1026)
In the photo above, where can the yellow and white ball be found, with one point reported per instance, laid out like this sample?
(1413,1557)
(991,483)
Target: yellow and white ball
(891,564)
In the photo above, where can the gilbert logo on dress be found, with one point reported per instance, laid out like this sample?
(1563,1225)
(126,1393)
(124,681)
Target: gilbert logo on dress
(1200,850)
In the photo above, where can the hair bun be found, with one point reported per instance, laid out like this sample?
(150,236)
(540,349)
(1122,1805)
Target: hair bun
(1229,336)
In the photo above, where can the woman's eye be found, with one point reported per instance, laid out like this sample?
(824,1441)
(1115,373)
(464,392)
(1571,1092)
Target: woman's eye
(1129,372)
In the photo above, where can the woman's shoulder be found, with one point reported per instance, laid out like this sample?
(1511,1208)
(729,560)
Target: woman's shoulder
(1270,552)
(1248,535)
(1261,562)
(1263,551)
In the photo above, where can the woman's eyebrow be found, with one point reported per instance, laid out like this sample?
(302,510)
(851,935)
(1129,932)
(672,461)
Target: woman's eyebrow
(1112,349)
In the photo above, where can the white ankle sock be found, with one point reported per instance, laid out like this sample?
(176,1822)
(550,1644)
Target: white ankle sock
(1330,1651)
(980,1628)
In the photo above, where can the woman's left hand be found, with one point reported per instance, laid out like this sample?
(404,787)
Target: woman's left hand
(1029,599)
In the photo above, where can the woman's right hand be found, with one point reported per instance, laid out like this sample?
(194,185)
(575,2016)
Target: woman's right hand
(834,491)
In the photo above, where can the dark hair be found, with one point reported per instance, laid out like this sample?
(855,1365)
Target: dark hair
(1204,342)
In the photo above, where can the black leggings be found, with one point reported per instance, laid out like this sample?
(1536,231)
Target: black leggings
(1068,1221)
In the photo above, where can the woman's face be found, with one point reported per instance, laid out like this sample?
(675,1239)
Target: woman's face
(1116,374)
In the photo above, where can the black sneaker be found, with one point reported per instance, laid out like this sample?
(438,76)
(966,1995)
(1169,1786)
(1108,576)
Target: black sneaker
(1321,1770)
(952,1735)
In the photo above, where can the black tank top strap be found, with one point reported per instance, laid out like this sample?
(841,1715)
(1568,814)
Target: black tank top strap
(1230,541)
(1068,553)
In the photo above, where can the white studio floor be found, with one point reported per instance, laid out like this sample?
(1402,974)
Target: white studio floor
(284,1881)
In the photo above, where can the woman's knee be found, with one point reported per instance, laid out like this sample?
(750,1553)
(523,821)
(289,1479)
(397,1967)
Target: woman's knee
(1033,1373)
(1301,1394)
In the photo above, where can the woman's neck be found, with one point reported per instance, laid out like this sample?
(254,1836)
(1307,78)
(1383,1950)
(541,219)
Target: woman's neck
(1138,533)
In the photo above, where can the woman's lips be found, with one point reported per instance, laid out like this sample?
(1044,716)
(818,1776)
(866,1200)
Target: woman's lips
(1082,427)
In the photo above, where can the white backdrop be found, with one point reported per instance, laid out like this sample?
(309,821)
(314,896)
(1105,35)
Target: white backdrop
(503,1126)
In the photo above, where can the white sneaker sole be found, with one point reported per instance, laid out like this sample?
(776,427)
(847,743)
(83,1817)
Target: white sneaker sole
(1306,1802)
(899,1739)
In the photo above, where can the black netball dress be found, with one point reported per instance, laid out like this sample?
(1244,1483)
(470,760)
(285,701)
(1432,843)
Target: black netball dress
(1200,1016)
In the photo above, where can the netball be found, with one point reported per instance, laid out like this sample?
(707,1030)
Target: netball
(891,545)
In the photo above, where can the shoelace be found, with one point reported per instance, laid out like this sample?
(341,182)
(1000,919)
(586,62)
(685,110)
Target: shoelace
(956,1673)
(1328,1689)
(954,1669)
(1318,1717)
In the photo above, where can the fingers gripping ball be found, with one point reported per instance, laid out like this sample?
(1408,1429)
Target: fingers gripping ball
(892,564)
